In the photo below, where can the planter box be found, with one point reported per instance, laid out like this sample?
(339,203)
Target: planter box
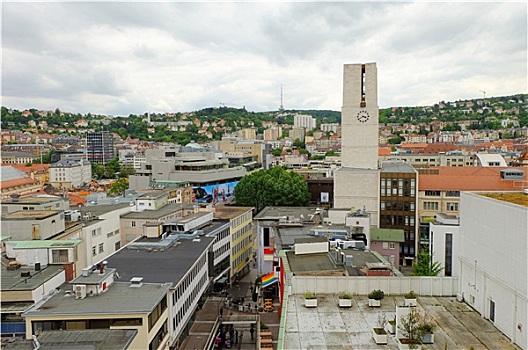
(390,328)
(345,302)
(380,338)
(405,346)
(409,302)
(374,303)
(310,302)
(427,338)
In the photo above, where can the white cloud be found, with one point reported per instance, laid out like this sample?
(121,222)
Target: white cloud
(121,58)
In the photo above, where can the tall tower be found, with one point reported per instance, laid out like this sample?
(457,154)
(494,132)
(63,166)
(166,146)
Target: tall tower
(360,116)
(356,184)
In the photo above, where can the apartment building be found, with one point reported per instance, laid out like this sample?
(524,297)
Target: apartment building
(70,173)
(100,147)
(304,121)
(95,300)
(241,232)
(190,261)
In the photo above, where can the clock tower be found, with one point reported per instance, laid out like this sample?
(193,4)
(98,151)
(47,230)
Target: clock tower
(356,183)
(359,117)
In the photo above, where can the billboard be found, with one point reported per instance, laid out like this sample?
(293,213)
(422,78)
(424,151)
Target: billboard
(222,193)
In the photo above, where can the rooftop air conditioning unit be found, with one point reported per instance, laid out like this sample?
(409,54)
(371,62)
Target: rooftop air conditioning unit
(80,291)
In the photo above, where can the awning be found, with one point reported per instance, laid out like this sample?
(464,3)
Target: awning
(222,280)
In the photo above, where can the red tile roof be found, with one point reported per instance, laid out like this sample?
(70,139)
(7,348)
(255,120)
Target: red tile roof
(467,179)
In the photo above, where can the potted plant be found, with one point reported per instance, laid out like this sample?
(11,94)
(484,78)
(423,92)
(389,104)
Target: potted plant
(374,298)
(426,329)
(379,333)
(345,299)
(391,326)
(409,298)
(310,300)
(410,329)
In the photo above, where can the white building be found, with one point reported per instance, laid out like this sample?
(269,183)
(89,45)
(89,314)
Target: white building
(443,243)
(493,260)
(304,121)
(70,173)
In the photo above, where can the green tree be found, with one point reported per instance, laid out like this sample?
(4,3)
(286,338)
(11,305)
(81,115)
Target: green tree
(118,188)
(276,152)
(424,265)
(273,187)
(97,170)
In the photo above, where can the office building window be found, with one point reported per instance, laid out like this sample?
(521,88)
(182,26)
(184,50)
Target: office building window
(452,206)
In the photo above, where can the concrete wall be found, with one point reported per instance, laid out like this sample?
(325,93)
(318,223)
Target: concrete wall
(493,260)
(310,248)
(357,189)
(424,286)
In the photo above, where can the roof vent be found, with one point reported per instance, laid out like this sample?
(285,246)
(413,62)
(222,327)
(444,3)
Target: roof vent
(136,282)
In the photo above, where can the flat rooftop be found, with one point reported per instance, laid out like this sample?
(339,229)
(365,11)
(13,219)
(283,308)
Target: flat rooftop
(88,339)
(228,213)
(313,264)
(30,215)
(33,200)
(512,197)
(328,326)
(97,210)
(119,298)
(274,213)
(158,213)
(143,258)
(12,280)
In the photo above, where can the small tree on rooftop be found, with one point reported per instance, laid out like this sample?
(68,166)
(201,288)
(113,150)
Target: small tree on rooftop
(425,266)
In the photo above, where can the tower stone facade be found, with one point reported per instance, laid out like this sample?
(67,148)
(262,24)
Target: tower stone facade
(356,184)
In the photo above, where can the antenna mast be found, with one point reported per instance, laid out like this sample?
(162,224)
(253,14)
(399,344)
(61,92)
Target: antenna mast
(281,108)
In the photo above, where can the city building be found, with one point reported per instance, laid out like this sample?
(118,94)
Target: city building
(190,260)
(100,147)
(34,202)
(492,256)
(241,232)
(95,300)
(17,158)
(397,206)
(132,225)
(33,224)
(70,173)
(23,287)
(304,121)
(17,183)
(387,242)
(442,241)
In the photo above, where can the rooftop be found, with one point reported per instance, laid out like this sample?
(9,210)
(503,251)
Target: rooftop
(87,339)
(396,167)
(12,280)
(387,235)
(45,244)
(158,213)
(313,264)
(467,178)
(30,215)
(275,213)
(327,326)
(119,298)
(519,198)
(143,257)
(36,200)
(98,210)
(228,213)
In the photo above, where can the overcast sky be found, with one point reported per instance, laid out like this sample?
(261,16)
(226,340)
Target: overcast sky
(127,57)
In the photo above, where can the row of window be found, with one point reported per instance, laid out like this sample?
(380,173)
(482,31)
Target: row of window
(398,187)
(239,233)
(241,219)
(396,220)
(101,249)
(397,206)
(430,193)
(434,206)
(190,300)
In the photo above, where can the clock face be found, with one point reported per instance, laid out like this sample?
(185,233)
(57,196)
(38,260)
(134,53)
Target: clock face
(363,116)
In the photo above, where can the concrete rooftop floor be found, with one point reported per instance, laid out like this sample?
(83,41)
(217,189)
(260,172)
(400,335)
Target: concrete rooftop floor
(329,327)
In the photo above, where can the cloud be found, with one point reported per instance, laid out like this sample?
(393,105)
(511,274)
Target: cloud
(122,58)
